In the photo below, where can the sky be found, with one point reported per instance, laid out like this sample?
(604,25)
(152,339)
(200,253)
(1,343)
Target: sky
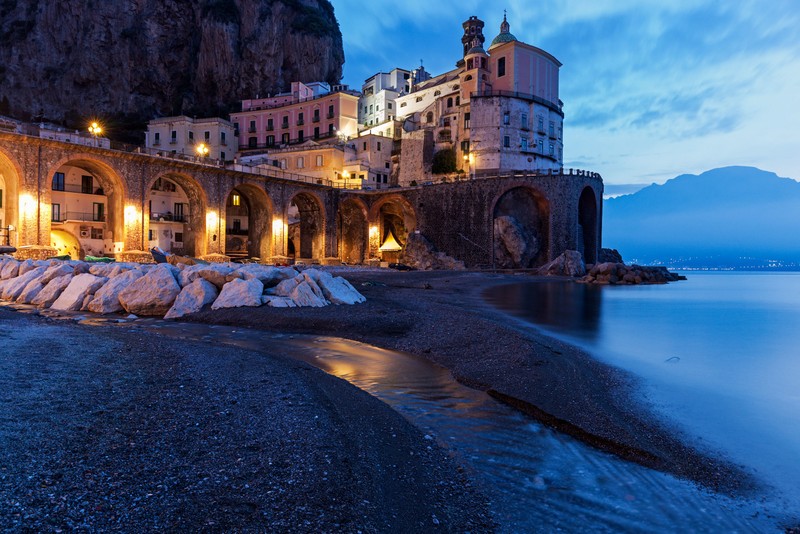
(651,89)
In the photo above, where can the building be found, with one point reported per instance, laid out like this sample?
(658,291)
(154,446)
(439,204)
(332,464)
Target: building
(309,111)
(207,137)
(497,111)
(378,94)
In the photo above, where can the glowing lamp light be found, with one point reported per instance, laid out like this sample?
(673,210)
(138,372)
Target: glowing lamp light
(202,150)
(131,215)
(277,226)
(211,219)
(95,129)
(373,232)
(27,205)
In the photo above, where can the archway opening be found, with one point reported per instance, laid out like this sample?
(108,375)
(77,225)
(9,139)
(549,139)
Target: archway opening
(177,207)
(9,203)
(86,201)
(394,221)
(588,225)
(306,221)
(521,226)
(66,243)
(248,212)
(353,232)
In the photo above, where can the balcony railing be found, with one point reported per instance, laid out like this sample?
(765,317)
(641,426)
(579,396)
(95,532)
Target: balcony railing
(522,96)
(315,118)
(77,216)
(78,188)
(167,217)
(300,122)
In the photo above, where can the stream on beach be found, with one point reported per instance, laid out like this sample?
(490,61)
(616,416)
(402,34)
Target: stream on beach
(535,478)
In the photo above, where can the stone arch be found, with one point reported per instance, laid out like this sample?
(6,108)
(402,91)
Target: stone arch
(10,178)
(252,236)
(306,227)
(392,217)
(521,228)
(588,225)
(191,219)
(106,188)
(353,231)
(65,242)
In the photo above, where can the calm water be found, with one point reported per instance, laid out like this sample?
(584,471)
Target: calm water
(718,354)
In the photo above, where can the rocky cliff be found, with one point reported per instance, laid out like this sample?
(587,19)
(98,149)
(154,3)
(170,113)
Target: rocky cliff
(128,61)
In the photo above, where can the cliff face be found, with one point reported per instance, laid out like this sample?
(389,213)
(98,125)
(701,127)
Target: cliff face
(128,61)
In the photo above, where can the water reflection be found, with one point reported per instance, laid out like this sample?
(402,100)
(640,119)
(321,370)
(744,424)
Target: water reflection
(562,306)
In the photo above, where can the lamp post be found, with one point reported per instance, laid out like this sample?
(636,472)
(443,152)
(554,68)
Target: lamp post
(202,150)
(95,129)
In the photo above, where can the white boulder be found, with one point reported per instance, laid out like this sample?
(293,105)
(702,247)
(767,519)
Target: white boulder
(337,290)
(81,286)
(54,271)
(10,270)
(31,290)
(52,291)
(192,298)
(152,294)
(238,293)
(304,294)
(278,302)
(13,287)
(106,299)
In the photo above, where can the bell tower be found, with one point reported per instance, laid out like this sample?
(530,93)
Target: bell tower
(473,34)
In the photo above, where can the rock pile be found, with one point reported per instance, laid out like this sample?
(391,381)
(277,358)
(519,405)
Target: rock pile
(610,273)
(570,263)
(166,290)
(421,254)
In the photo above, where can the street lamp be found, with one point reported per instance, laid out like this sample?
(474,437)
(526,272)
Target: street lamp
(346,176)
(202,150)
(95,129)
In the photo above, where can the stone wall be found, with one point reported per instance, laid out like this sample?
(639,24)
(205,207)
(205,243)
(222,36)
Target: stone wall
(417,157)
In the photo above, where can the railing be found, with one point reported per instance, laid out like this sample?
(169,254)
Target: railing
(77,216)
(523,96)
(296,141)
(77,188)
(168,217)
(234,231)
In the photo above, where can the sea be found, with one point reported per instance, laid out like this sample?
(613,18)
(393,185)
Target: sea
(717,355)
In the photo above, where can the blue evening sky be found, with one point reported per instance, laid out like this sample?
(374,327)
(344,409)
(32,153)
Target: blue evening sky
(651,88)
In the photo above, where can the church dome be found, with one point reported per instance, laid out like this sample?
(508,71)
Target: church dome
(505,34)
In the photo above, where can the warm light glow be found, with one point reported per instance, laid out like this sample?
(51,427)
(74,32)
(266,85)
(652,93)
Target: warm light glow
(132,216)
(346,174)
(236,200)
(277,226)
(471,158)
(95,129)
(27,205)
(202,150)
(373,232)
(211,220)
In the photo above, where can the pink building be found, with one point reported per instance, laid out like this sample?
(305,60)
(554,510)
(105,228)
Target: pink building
(309,111)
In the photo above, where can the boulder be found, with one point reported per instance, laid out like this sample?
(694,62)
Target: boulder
(609,255)
(31,290)
(570,263)
(52,291)
(278,302)
(81,286)
(102,269)
(218,274)
(514,247)
(285,288)
(29,265)
(106,299)
(238,292)
(54,271)
(152,294)
(14,286)
(193,298)
(10,270)
(304,294)
(268,275)
(336,290)
(420,253)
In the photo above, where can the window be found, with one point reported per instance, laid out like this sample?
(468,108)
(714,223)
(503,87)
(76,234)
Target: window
(58,181)
(437,93)
(469,64)
(191,135)
(316,115)
(270,125)
(450,102)
(330,111)
(319,160)
(300,136)
(222,138)
(330,129)
(506,118)
(98,212)
(552,149)
(86,185)
(177,213)
(237,225)
(97,233)
(301,163)
(157,139)
(419,99)
(150,235)
(300,117)
(179,237)
(501,67)
(207,135)
(252,126)
(386,165)
(285,123)
(466,120)
(389,105)
(541,124)
(365,145)
(379,145)
(222,156)
(429,117)
(458,101)
(370,109)
(285,138)
(316,132)
(541,146)
(173,136)
(252,142)
(552,129)
(524,143)
(55,213)
(282,164)
(524,121)
(506,141)
(236,200)
(404,104)
(270,140)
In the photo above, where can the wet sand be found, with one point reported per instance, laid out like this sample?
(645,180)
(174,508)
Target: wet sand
(442,316)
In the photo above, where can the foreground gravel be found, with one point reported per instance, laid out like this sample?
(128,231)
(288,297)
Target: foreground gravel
(106,428)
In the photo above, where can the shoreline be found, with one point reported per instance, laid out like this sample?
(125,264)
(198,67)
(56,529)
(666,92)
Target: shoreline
(443,317)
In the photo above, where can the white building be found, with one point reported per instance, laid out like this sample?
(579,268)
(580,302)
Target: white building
(183,135)
(378,94)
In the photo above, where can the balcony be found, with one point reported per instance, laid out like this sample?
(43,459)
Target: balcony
(331,115)
(252,129)
(285,125)
(167,217)
(300,122)
(78,216)
(270,128)
(78,188)
(315,118)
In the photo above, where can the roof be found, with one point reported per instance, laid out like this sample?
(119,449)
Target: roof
(505,35)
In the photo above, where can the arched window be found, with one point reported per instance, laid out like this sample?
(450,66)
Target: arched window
(458,101)
(429,117)
(437,93)
(467,77)
(450,102)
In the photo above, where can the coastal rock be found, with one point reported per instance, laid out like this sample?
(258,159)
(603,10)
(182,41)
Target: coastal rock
(106,299)
(29,265)
(514,247)
(268,275)
(52,291)
(216,273)
(31,290)
(337,290)
(278,302)
(610,273)
(192,299)
(609,255)
(570,263)
(420,253)
(10,270)
(304,294)
(238,292)
(285,288)
(14,286)
(54,271)
(152,294)
(81,286)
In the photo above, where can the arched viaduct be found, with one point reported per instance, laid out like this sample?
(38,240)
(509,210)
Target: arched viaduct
(291,218)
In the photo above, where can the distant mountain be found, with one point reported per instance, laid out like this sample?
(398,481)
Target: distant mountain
(732,216)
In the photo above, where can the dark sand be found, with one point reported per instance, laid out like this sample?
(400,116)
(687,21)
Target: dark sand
(442,316)
(110,428)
